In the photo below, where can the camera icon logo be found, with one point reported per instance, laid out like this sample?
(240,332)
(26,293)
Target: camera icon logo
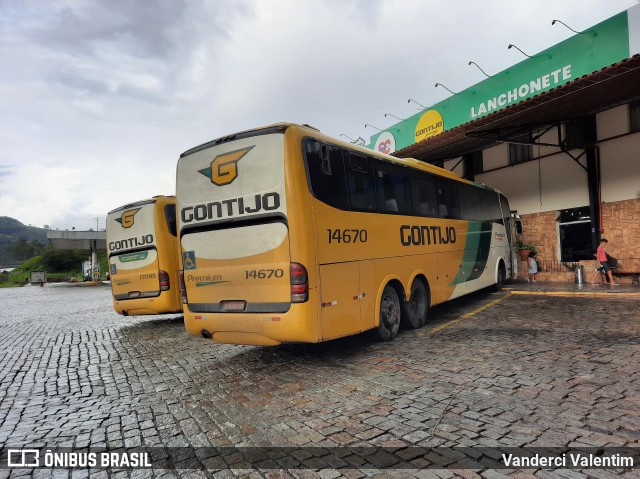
(23,458)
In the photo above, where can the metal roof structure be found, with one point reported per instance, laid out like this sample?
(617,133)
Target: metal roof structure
(63,240)
(603,89)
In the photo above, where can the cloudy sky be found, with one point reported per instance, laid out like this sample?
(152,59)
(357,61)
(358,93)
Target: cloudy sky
(98,98)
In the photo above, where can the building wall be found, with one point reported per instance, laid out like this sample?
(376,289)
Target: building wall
(553,181)
(620,226)
(620,168)
(456,165)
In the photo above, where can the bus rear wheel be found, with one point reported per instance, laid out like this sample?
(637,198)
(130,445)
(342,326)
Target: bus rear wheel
(414,311)
(389,314)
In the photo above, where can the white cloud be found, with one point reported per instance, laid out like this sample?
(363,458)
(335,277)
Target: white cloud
(99,98)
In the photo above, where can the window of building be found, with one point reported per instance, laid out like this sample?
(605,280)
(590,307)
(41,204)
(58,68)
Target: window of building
(473,164)
(575,234)
(520,153)
(580,132)
(634,116)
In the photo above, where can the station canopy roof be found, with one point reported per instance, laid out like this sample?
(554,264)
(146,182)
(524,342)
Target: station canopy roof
(594,70)
(606,88)
(72,239)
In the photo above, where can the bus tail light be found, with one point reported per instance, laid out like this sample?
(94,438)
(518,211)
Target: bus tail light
(165,285)
(299,283)
(183,288)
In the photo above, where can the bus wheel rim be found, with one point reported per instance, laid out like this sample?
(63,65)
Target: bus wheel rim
(390,312)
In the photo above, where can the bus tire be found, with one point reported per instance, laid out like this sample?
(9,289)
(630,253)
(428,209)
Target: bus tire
(414,311)
(501,277)
(390,313)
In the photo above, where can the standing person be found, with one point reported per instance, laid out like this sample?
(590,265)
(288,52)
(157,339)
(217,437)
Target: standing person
(533,267)
(598,272)
(602,258)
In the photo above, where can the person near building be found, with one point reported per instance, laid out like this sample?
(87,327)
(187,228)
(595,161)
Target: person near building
(533,267)
(598,272)
(602,259)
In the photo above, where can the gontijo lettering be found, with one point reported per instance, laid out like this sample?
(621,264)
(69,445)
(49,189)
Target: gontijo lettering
(131,242)
(230,207)
(426,235)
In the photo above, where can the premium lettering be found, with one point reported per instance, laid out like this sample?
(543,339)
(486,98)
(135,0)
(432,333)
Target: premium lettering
(231,207)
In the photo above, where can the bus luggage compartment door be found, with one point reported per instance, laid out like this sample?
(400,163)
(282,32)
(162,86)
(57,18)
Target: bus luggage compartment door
(339,290)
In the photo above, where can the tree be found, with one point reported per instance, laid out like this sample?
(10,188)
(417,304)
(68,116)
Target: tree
(22,250)
(38,248)
(62,261)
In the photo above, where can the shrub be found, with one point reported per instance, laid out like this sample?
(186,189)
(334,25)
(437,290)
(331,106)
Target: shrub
(62,261)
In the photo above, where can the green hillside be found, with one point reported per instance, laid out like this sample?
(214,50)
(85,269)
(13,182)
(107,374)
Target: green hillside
(58,264)
(19,242)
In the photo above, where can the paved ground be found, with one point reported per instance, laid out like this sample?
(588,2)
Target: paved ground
(488,370)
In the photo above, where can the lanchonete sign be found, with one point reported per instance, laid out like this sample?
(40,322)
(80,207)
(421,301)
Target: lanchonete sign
(603,44)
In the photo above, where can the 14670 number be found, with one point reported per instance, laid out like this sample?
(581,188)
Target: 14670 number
(264,273)
(347,236)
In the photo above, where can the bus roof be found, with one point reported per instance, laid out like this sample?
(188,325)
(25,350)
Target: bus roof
(141,202)
(282,127)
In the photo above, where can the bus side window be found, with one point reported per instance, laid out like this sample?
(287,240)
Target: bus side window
(510,218)
(360,184)
(447,199)
(494,204)
(423,195)
(325,170)
(470,203)
(393,188)
(170,215)
(485,200)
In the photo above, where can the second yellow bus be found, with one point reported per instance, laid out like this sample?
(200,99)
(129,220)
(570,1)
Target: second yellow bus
(144,259)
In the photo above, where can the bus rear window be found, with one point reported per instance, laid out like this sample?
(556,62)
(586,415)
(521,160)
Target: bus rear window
(325,167)
(170,215)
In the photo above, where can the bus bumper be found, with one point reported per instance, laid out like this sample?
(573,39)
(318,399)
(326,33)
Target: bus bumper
(298,325)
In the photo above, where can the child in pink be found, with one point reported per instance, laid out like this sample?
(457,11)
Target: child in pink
(601,256)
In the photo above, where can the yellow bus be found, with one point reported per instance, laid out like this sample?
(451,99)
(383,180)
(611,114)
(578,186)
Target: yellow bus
(144,259)
(288,235)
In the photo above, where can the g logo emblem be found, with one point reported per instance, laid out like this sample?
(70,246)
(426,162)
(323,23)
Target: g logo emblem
(224,168)
(126,219)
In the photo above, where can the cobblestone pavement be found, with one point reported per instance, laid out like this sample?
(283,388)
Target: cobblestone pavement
(487,370)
